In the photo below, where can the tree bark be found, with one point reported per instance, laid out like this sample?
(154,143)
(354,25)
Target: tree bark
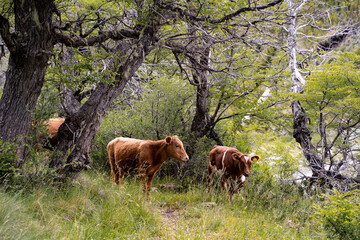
(30,51)
(199,122)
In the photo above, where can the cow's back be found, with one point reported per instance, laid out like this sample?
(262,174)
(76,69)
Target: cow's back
(220,155)
(125,152)
(53,125)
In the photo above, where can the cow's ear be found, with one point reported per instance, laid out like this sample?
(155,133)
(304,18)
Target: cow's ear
(236,156)
(255,158)
(168,139)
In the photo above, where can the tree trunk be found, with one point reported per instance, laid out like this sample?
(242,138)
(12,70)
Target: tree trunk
(30,51)
(201,112)
(202,124)
(80,127)
(301,132)
(302,135)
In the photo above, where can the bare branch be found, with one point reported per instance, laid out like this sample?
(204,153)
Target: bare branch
(229,104)
(91,41)
(183,70)
(171,6)
(338,38)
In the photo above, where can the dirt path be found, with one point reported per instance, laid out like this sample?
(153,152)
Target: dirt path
(170,218)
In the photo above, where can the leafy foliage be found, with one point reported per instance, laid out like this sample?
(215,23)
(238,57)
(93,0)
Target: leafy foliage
(7,159)
(340,214)
(48,105)
(331,99)
(79,69)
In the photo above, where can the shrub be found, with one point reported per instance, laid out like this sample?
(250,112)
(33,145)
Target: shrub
(7,160)
(340,214)
(164,113)
(33,172)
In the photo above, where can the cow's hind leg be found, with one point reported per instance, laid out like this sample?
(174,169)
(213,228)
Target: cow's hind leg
(115,174)
(113,166)
(210,177)
(120,176)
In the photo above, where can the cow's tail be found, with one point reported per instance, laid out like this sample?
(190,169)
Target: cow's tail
(110,150)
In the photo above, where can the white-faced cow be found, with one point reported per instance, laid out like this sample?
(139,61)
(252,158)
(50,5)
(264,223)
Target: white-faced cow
(233,166)
(143,157)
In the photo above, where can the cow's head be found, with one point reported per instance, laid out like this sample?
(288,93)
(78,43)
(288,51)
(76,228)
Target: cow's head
(245,162)
(175,149)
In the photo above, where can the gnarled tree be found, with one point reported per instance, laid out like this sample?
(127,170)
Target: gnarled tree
(320,157)
(135,33)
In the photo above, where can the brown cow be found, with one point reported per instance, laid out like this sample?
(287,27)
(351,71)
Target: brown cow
(48,138)
(233,166)
(52,126)
(144,157)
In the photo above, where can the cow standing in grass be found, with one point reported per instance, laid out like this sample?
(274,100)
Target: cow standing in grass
(233,166)
(144,157)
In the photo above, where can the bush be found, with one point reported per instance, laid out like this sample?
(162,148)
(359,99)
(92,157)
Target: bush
(7,160)
(340,214)
(164,113)
(34,170)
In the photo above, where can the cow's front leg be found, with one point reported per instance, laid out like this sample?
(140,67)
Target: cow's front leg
(142,175)
(239,184)
(150,178)
(230,188)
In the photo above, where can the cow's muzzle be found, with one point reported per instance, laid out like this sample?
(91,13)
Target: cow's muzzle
(185,159)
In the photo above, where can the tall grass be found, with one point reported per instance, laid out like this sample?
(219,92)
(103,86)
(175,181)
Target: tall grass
(252,214)
(91,209)
(95,208)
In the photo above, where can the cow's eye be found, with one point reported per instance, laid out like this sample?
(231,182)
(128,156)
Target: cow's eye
(178,146)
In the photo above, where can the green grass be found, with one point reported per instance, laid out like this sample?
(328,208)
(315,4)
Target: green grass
(95,208)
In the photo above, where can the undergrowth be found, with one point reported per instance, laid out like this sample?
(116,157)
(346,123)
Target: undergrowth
(95,208)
